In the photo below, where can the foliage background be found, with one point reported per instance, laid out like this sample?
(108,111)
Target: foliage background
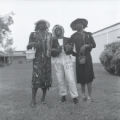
(110,58)
(6,40)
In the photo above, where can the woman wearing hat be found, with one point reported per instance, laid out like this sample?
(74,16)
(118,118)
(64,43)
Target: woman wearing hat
(83,43)
(40,39)
(64,64)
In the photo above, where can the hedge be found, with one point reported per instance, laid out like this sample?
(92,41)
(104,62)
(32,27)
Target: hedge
(110,58)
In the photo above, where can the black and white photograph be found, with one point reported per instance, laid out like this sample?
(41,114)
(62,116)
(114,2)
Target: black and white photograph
(60,60)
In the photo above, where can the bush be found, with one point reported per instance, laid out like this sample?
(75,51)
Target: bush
(110,58)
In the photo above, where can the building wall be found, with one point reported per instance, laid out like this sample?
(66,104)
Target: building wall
(113,35)
(102,38)
(19,59)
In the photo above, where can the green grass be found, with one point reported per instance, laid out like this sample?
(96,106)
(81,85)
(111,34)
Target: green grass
(15,97)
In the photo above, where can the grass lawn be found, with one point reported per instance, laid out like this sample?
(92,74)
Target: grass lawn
(15,97)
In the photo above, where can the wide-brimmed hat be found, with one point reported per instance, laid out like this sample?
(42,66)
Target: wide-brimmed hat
(77,21)
(45,23)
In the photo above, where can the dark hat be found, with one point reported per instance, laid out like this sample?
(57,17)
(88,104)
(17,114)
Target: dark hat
(77,21)
(45,24)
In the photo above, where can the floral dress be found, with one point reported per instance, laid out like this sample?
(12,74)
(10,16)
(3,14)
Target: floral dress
(41,76)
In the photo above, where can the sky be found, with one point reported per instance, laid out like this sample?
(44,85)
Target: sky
(99,13)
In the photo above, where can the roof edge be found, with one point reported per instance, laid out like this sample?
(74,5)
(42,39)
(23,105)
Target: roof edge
(106,28)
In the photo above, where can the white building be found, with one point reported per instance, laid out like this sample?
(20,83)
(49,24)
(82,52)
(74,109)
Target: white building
(19,57)
(103,37)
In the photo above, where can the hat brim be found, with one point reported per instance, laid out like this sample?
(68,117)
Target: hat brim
(77,21)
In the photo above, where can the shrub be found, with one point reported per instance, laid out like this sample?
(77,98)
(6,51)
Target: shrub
(110,58)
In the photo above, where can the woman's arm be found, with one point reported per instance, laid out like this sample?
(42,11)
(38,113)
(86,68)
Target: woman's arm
(74,53)
(55,49)
(91,44)
(32,42)
(49,44)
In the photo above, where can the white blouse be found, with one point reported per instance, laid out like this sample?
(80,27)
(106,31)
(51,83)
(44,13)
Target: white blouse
(60,41)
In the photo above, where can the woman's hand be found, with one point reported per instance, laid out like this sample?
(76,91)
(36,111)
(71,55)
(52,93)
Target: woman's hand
(82,49)
(56,51)
(86,45)
(68,47)
(32,45)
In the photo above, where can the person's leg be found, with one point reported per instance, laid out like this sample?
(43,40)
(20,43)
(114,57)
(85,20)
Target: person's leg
(44,90)
(60,76)
(70,76)
(89,87)
(83,91)
(34,92)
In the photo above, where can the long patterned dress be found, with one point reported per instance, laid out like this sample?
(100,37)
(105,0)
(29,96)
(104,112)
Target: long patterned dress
(84,72)
(41,77)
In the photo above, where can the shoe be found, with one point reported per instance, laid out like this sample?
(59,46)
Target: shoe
(43,101)
(84,98)
(33,104)
(63,98)
(90,99)
(75,100)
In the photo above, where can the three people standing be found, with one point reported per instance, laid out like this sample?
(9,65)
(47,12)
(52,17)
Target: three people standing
(66,53)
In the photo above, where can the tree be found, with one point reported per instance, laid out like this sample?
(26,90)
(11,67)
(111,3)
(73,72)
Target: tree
(6,41)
